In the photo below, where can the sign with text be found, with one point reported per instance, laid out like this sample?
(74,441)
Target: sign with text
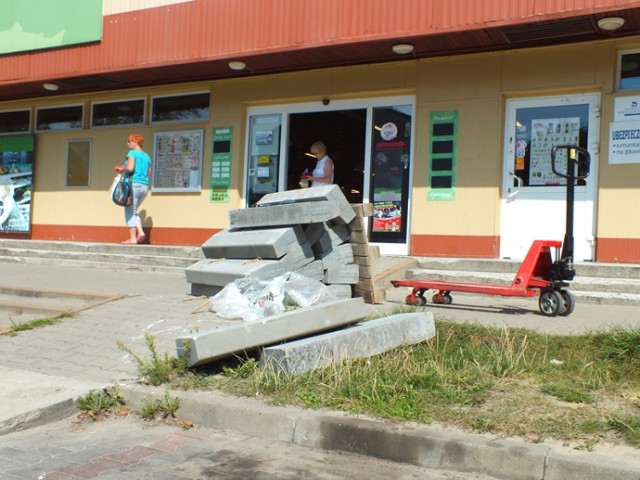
(221,164)
(624,142)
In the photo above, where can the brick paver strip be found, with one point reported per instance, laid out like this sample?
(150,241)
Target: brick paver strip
(130,456)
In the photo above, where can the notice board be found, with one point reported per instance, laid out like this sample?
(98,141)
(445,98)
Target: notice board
(177,161)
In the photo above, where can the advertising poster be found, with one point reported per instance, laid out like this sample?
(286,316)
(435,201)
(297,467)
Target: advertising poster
(545,134)
(221,165)
(16,181)
(387,216)
(177,162)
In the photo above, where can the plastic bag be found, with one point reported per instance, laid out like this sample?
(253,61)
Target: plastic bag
(253,299)
(113,185)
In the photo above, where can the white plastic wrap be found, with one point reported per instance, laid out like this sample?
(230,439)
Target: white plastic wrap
(253,299)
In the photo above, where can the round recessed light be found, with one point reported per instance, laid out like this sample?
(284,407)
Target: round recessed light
(402,48)
(610,23)
(52,87)
(237,65)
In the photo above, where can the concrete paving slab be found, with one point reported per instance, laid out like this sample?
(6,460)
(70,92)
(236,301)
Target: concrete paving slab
(362,340)
(210,345)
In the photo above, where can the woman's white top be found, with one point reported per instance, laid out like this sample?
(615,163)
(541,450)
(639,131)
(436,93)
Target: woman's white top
(319,171)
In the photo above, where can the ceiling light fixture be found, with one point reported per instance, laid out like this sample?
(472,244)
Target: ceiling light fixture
(610,23)
(52,87)
(237,65)
(402,48)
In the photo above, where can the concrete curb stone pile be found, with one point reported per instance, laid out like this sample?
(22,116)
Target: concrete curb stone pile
(306,231)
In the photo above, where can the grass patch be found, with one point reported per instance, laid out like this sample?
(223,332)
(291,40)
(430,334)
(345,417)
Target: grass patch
(580,389)
(510,382)
(158,369)
(38,323)
(163,408)
(98,404)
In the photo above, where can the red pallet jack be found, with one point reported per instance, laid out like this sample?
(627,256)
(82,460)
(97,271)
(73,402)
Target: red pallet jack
(538,272)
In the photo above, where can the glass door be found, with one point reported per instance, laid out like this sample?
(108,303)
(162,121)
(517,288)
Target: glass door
(370,140)
(264,156)
(389,177)
(534,198)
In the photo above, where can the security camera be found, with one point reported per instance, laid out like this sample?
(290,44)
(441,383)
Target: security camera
(326,101)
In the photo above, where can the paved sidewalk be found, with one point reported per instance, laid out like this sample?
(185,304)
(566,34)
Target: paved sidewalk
(43,372)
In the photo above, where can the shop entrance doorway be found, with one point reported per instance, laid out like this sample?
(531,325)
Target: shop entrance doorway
(534,198)
(369,141)
(343,132)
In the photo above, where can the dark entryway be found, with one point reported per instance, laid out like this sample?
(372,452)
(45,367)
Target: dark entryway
(344,134)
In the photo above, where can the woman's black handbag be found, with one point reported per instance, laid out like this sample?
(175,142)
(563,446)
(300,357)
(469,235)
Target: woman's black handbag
(123,192)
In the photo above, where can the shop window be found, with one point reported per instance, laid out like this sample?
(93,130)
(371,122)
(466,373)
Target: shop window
(628,70)
(180,108)
(122,112)
(78,163)
(68,117)
(15,121)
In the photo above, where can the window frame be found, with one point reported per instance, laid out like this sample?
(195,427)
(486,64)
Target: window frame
(618,84)
(59,107)
(120,125)
(165,122)
(29,125)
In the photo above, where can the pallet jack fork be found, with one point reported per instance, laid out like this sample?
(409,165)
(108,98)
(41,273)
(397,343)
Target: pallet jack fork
(539,272)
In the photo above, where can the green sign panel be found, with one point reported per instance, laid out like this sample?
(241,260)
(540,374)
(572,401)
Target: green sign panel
(443,146)
(221,164)
(37,24)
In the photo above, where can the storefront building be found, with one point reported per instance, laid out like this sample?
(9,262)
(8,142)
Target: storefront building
(443,114)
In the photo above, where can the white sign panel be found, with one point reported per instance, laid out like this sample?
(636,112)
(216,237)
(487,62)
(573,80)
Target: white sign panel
(624,142)
(626,109)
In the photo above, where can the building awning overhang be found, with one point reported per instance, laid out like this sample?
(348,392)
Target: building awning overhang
(173,46)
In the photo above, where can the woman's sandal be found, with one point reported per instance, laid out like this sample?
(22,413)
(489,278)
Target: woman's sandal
(140,238)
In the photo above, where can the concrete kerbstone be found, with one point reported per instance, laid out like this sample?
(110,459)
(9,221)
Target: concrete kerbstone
(349,274)
(266,243)
(313,270)
(423,445)
(362,340)
(340,255)
(214,344)
(222,271)
(289,214)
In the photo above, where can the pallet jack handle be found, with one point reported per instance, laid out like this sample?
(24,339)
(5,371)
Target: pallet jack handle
(578,163)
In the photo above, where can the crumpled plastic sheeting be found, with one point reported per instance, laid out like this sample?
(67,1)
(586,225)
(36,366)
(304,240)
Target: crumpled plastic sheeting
(253,299)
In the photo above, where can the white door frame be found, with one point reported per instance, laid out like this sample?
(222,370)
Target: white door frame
(547,202)
(308,107)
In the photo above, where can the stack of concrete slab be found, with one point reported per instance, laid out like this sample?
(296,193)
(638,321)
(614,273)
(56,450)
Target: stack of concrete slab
(305,231)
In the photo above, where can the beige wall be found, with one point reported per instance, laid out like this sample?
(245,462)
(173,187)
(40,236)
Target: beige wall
(474,85)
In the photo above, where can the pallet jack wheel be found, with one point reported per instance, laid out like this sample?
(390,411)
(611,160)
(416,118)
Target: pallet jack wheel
(550,302)
(568,302)
(416,300)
